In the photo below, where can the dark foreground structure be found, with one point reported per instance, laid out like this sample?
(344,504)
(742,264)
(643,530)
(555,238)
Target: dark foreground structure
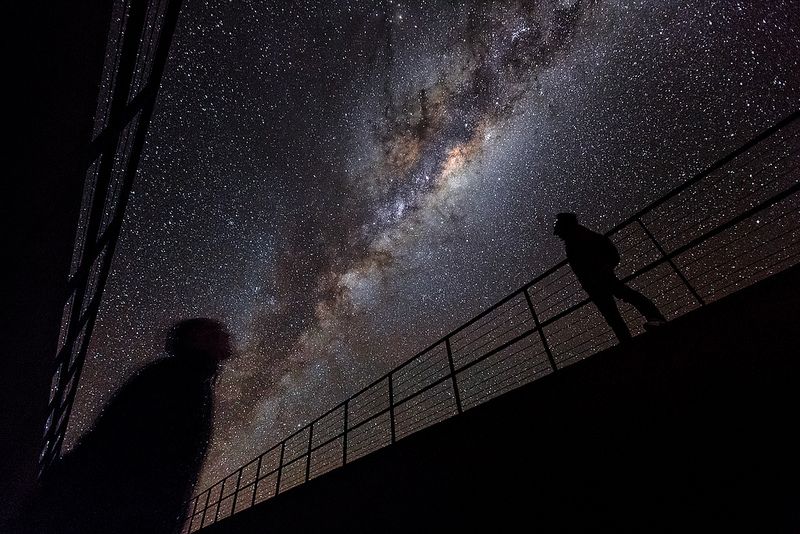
(687,428)
(638,426)
(133,470)
(82,82)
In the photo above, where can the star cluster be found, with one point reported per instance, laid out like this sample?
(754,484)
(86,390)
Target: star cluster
(343,182)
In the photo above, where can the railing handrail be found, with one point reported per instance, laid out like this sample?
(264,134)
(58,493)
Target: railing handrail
(524,290)
(711,168)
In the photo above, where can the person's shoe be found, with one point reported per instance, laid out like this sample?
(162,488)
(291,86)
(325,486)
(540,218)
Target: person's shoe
(651,325)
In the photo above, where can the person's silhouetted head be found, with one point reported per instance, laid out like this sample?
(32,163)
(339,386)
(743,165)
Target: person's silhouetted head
(565,226)
(203,338)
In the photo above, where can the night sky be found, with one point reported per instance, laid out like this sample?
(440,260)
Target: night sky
(344,182)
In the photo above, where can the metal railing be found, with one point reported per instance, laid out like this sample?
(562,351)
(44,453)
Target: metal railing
(735,223)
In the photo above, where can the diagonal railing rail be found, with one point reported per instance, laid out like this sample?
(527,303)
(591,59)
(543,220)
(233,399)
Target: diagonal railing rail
(734,223)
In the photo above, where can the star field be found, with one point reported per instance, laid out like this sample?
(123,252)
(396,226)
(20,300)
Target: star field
(343,182)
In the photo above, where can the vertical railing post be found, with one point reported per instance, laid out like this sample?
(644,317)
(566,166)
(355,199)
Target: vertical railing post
(536,322)
(391,406)
(205,507)
(344,434)
(219,501)
(280,468)
(236,492)
(310,439)
(194,511)
(255,482)
(663,253)
(453,373)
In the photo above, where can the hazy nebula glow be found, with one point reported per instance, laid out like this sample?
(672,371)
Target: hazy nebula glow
(343,182)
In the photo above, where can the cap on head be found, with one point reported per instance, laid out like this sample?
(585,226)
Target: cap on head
(201,337)
(565,222)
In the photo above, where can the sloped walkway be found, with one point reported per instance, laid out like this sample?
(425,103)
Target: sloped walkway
(690,428)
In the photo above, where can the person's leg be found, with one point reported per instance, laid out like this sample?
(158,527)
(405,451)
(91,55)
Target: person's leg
(643,305)
(608,309)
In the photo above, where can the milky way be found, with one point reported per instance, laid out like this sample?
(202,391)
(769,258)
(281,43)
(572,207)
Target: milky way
(343,182)
(434,124)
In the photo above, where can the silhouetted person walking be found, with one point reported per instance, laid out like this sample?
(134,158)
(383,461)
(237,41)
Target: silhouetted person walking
(593,258)
(133,471)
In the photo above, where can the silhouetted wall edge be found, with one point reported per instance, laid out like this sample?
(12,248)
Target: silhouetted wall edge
(55,53)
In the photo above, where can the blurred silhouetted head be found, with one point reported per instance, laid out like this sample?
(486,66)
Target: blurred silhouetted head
(200,337)
(566,223)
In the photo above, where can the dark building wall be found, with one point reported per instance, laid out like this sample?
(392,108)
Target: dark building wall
(687,429)
(53,63)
